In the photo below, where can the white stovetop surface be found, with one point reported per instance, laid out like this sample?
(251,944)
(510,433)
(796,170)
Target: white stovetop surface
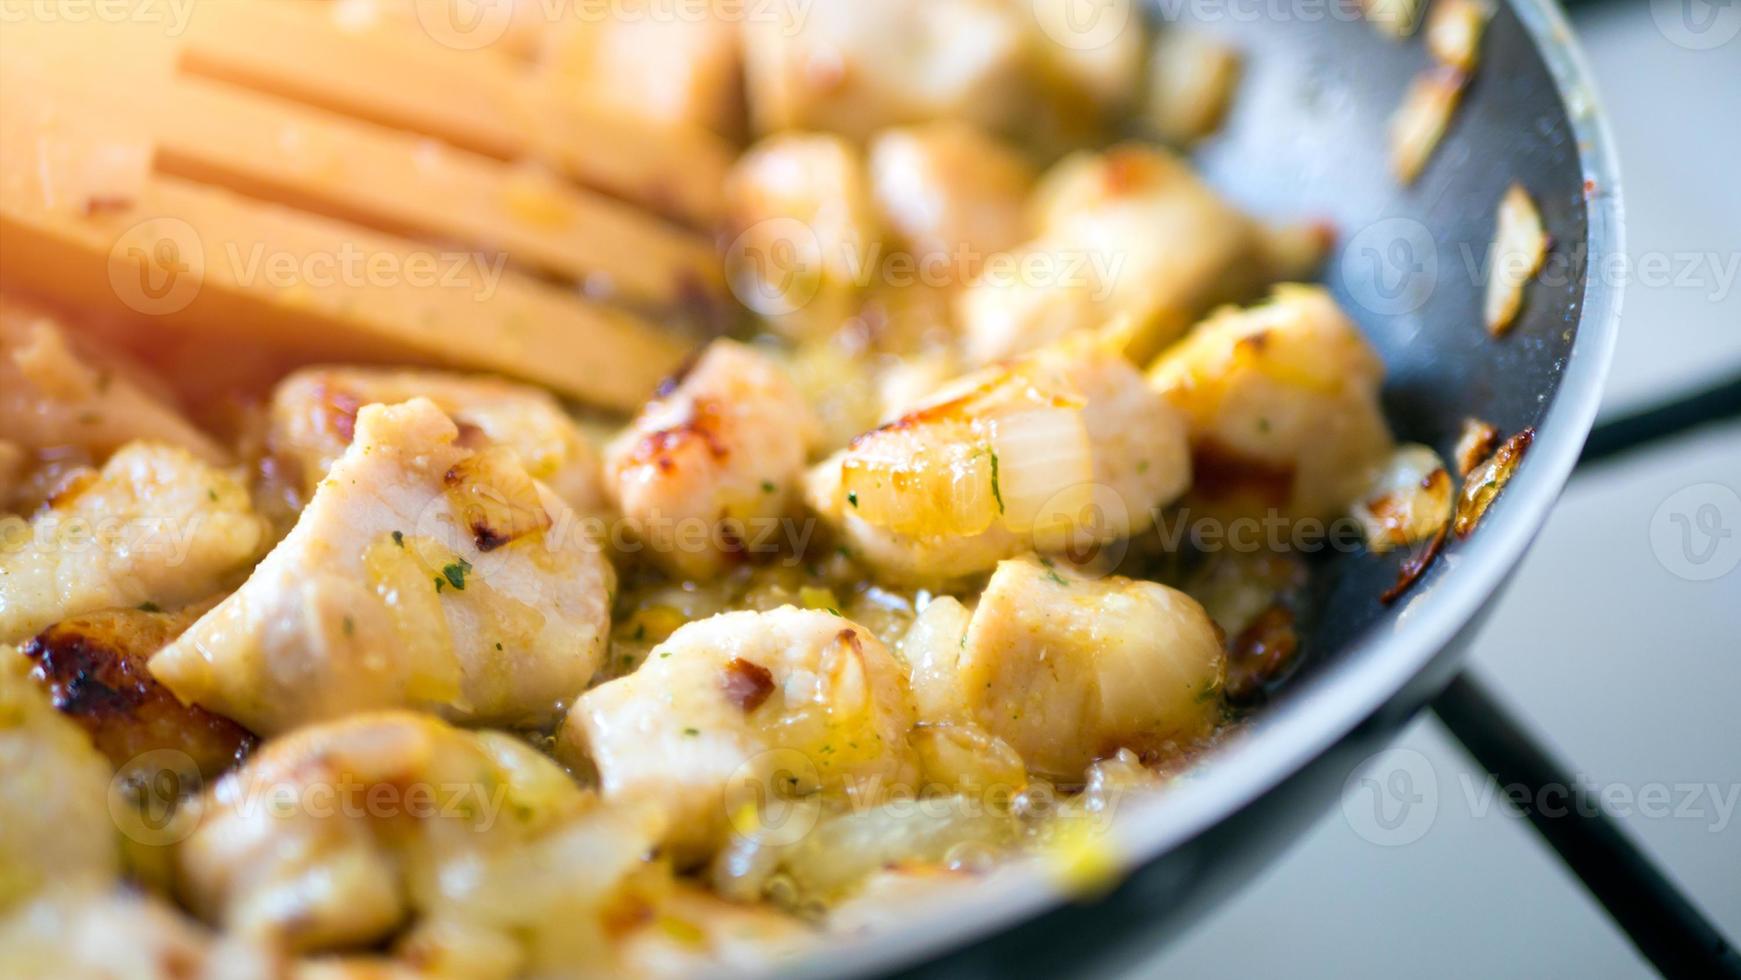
(1630,668)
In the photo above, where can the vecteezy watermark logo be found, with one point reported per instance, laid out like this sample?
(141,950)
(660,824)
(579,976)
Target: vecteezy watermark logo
(774,797)
(1391,267)
(775,267)
(157,266)
(1697,25)
(1392,799)
(1696,532)
(1084,25)
(465,25)
(155,798)
(171,15)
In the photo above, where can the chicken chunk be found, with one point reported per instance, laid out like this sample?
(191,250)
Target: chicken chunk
(93,932)
(710,466)
(1129,233)
(421,574)
(335,835)
(1283,405)
(1065,451)
(314,417)
(951,194)
(853,68)
(1036,69)
(94,668)
(1068,669)
(54,815)
(56,396)
(806,231)
(802,703)
(154,527)
(680,70)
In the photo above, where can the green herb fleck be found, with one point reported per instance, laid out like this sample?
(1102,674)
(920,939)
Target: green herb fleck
(211,495)
(1052,572)
(440,583)
(835,611)
(852,498)
(640,631)
(350,626)
(1209,692)
(498,646)
(456,573)
(768,486)
(399,538)
(1142,466)
(150,607)
(692,731)
(996,488)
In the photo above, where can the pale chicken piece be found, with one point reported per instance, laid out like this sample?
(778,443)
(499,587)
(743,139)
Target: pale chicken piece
(711,465)
(678,68)
(314,417)
(91,931)
(1283,407)
(421,574)
(805,231)
(950,193)
(1127,233)
(336,835)
(801,704)
(1092,53)
(852,67)
(55,395)
(1065,451)
(54,815)
(154,527)
(1068,669)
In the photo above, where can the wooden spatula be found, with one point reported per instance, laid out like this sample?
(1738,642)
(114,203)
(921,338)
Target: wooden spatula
(168,177)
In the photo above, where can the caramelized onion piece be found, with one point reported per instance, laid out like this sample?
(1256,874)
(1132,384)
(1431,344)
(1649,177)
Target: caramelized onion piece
(1454,29)
(1410,501)
(1488,480)
(1475,444)
(1520,247)
(1420,123)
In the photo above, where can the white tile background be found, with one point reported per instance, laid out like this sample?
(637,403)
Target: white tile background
(1632,672)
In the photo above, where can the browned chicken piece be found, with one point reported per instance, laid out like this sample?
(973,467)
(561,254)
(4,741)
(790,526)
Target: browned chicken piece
(94,670)
(1033,68)
(154,525)
(732,701)
(314,417)
(1129,233)
(1283,405)
(951,194)
(56,395)
(1063,451)
(1068,669)
(422,574)
(805,231)
(707,472)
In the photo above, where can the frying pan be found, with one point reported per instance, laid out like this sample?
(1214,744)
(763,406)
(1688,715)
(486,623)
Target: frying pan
(1307,138)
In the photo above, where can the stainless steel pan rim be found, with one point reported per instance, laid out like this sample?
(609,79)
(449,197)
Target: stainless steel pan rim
(1381,664)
